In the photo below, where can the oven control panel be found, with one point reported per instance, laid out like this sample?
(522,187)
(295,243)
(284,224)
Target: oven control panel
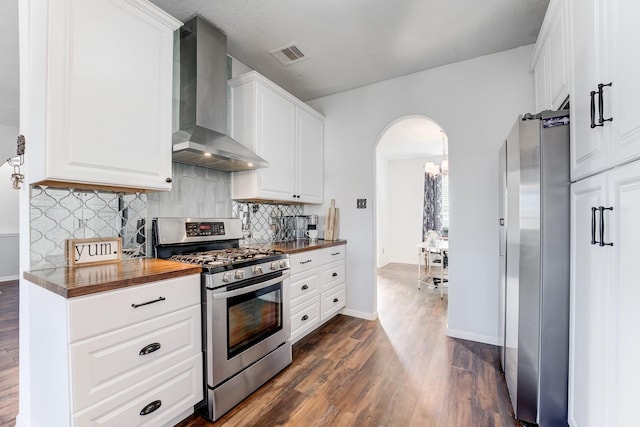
(198,229)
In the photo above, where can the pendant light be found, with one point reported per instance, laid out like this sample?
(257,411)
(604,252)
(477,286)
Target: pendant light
(433,169)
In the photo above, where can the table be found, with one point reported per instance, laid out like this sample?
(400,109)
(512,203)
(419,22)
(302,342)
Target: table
(441,247)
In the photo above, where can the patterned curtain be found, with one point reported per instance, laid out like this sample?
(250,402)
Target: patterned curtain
(432,215)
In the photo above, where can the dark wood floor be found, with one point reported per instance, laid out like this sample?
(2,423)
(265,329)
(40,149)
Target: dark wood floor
(8,352)
(400,370)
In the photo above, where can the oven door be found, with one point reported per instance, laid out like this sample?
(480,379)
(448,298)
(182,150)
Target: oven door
(245,322)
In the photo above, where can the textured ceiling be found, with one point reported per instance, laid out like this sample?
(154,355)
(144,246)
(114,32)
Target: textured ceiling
(351,43)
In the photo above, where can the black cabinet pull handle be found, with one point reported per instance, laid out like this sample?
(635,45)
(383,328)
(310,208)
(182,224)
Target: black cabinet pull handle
(151,407)
(593,109)
(305,262)
(169,180)
(304,288)
(601,120)
(335,253)
(593,225)
(305,317)
(148,302)
(602,209)
(336,300)
(150,348)
(335,274)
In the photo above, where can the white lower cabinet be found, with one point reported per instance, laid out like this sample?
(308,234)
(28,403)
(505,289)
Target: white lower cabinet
(318,289)
(604,343)
(153,402)
(125,357)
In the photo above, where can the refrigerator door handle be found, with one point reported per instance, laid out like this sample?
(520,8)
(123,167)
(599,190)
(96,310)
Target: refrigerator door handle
(593,225)
(602,209)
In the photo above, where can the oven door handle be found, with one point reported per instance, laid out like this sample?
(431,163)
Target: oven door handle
(248,289)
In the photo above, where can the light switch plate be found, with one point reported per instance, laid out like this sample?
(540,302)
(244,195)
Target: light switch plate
(361,203)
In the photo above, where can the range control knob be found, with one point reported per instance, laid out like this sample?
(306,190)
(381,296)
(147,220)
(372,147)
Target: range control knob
(257,269)
(283,264)
(226,277)
(239,274)
(274,265)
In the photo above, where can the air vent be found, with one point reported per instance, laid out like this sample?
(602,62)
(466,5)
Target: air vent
(289,54)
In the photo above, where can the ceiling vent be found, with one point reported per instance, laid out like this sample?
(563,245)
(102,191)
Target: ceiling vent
(289,54)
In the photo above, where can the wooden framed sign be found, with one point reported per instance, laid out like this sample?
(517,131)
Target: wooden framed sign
(100,250)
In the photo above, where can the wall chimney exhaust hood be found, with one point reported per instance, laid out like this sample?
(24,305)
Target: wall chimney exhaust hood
(201,139)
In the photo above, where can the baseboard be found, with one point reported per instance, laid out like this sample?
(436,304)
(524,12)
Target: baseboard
(19,422)
(359,314)
(487,339)
(8,278)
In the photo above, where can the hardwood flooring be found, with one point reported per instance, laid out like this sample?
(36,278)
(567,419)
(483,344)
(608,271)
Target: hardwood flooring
(8,352)
(400,370)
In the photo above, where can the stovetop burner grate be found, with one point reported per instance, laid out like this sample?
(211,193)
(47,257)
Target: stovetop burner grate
(215,258)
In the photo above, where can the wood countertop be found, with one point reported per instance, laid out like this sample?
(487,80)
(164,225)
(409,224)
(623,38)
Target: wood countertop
(295,246)
(72,282)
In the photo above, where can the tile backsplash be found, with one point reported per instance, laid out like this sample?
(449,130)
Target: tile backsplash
(58,214)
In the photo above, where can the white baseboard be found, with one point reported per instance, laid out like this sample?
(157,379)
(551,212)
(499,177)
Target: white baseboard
(19,422)
(7,278)
(487,339)
(359,314)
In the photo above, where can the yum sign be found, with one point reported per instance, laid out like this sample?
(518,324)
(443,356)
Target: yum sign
(100,250)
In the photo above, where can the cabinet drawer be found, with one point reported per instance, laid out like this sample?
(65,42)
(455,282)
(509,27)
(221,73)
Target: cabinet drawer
(332,274)
(176,389)
(305,285)
(304,261)
(334,253)
(305,318)
(332,301)
(108,363)
(95,314)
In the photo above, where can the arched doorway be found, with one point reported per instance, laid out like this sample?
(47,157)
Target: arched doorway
(401,152)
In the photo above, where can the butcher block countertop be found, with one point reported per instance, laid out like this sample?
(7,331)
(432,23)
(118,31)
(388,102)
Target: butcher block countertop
(72,282)
(295,246)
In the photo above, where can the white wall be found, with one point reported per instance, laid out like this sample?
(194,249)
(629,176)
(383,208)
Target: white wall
(382,210)
(476,103)
(406,199)
(9,206)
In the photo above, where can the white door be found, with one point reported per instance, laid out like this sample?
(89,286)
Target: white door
(622,99)
(310,157)
(275,139)
(588,145)
(623,346)
(587,332)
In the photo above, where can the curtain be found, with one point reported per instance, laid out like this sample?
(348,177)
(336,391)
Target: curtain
(432,214)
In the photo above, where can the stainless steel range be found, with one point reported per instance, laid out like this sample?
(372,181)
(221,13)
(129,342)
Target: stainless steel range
(245,312)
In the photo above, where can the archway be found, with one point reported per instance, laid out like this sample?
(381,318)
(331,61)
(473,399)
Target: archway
(401,152)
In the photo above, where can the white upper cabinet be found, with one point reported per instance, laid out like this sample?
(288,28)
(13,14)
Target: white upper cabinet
(97,107)
(285,132)
(309,165)
(605,90)
(550,60)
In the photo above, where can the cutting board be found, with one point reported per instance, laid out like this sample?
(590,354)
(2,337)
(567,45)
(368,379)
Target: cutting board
(331,224)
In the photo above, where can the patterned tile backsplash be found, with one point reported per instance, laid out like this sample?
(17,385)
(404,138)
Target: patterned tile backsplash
(58,214)
(262,223)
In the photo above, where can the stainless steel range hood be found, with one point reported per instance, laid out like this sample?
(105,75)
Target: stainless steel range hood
(202,139)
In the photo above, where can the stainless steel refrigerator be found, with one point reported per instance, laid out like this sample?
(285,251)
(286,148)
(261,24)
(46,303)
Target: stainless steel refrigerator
(534,262)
